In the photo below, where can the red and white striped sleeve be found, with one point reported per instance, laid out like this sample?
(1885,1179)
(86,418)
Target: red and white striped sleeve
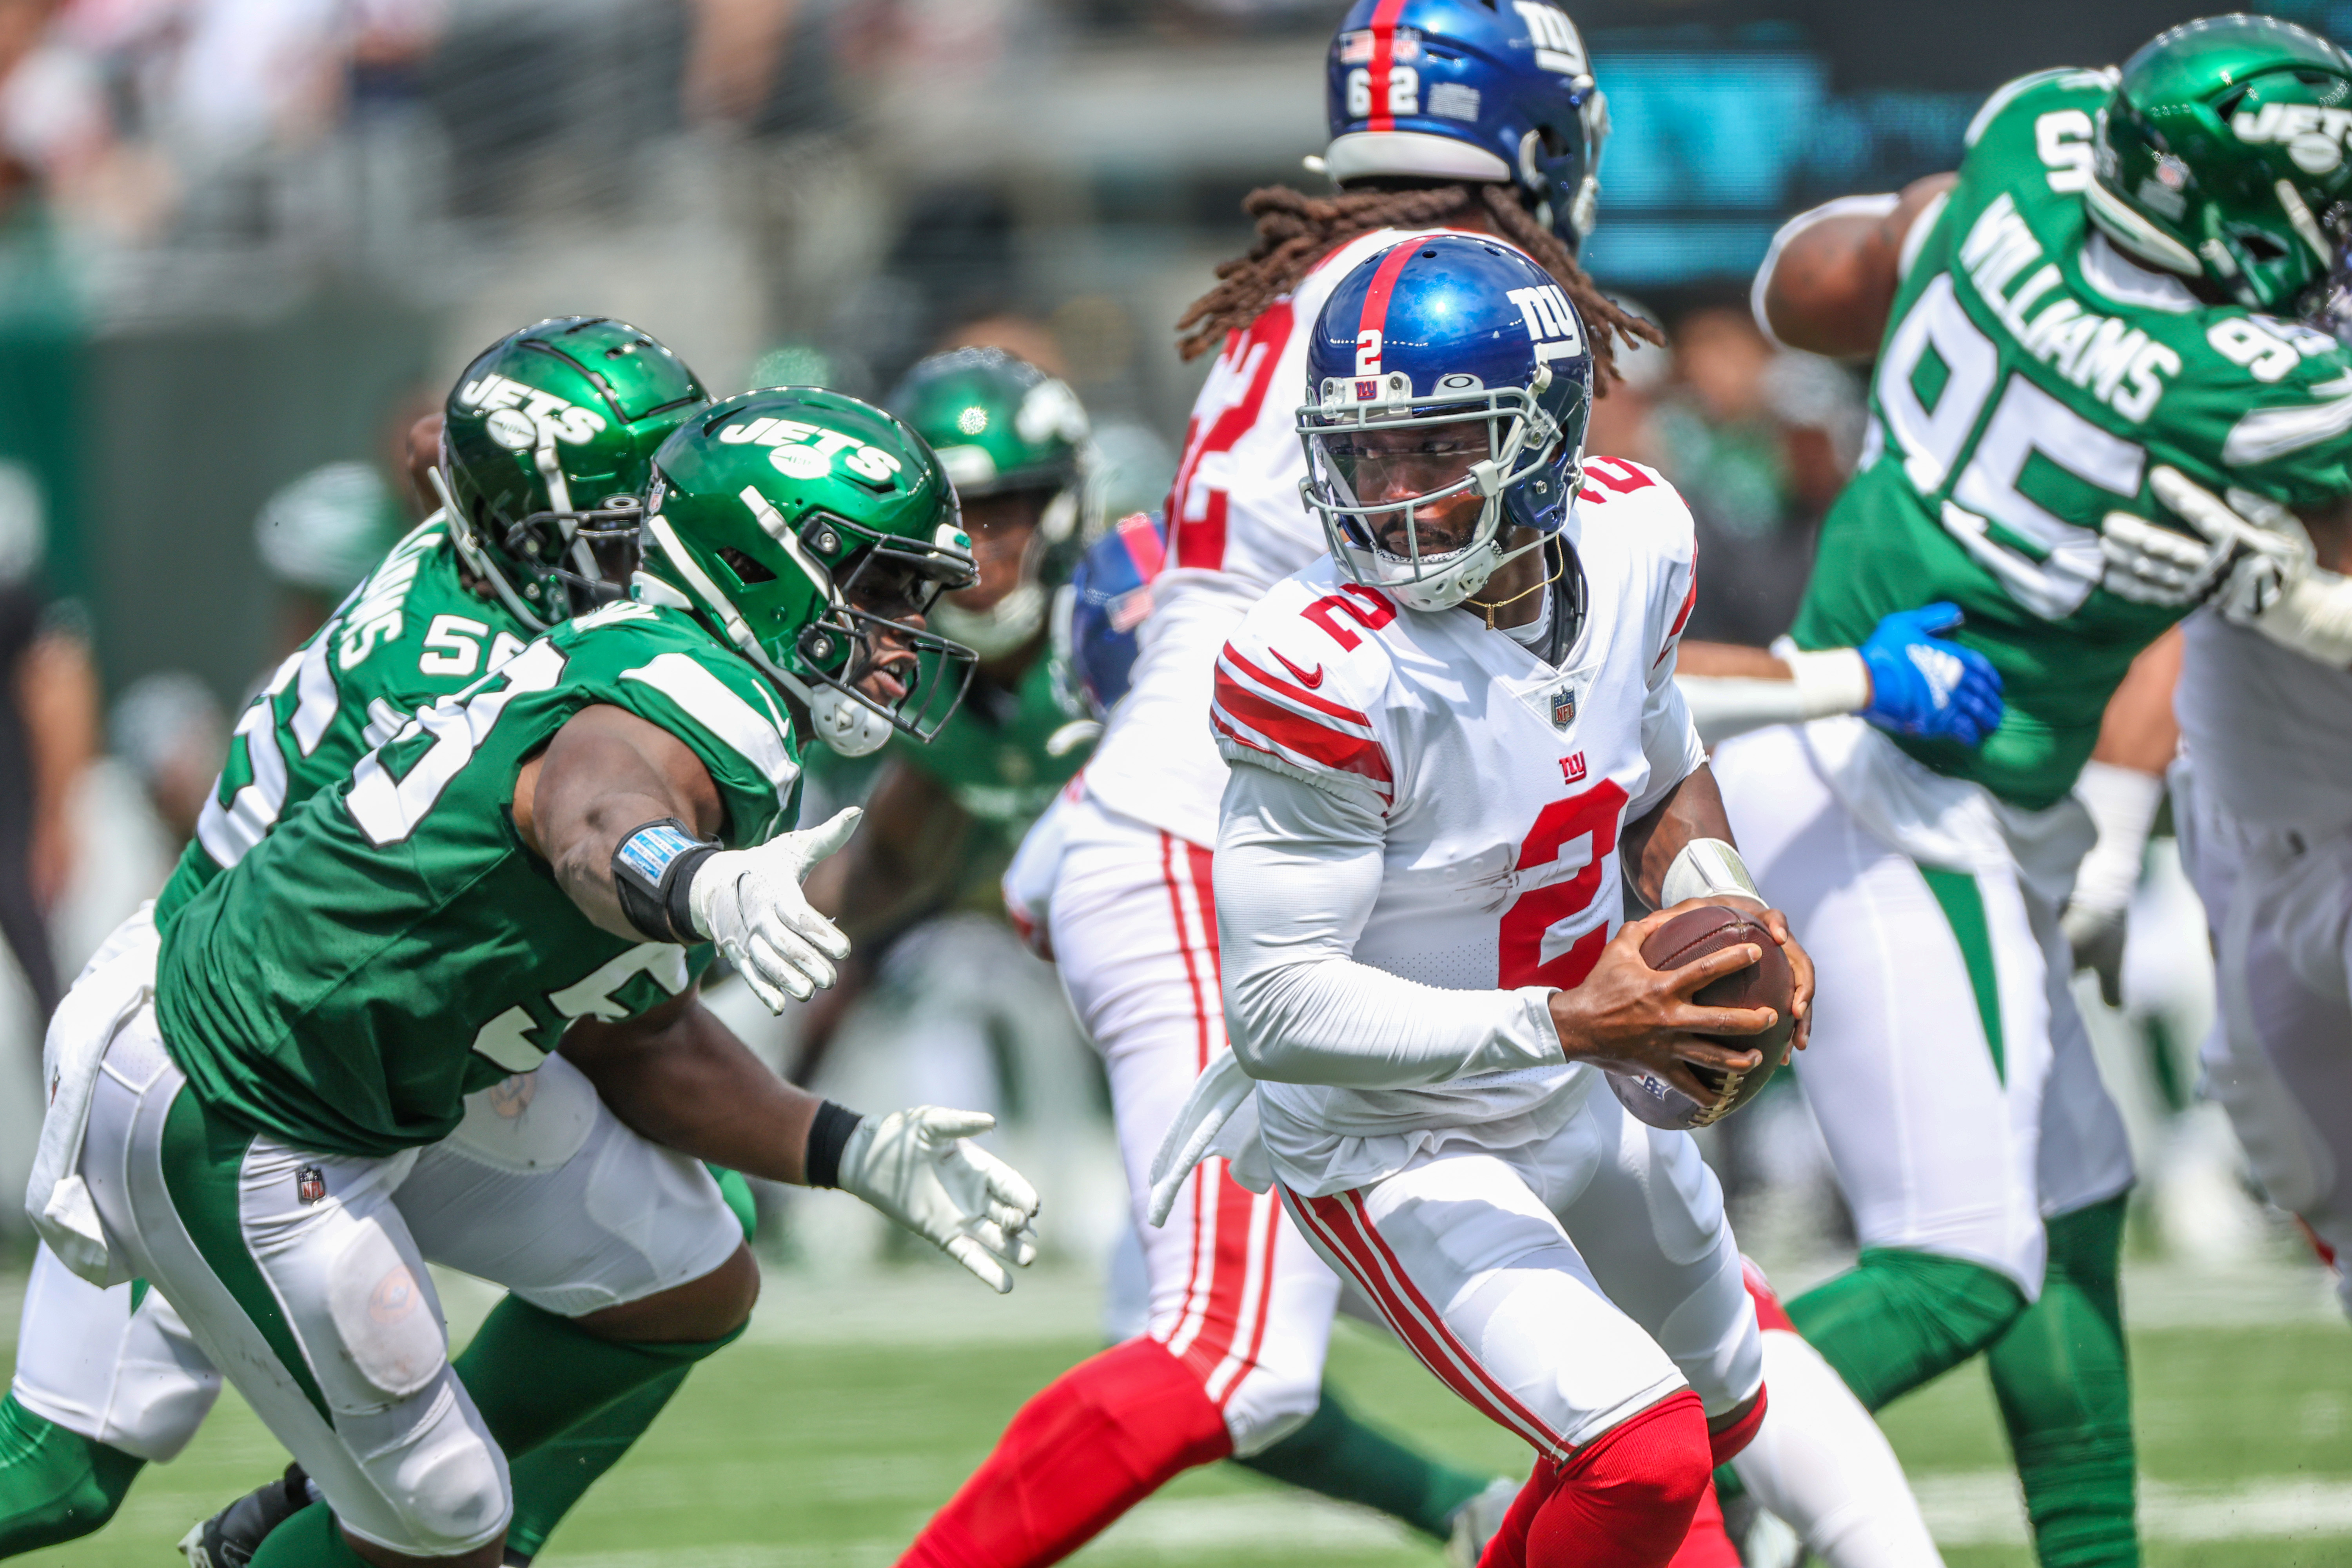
(1301,709)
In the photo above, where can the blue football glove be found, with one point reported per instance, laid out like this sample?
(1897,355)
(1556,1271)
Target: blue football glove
(1923,686)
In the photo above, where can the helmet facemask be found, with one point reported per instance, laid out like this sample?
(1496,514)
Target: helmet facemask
(857,666)
(1019,614)
(1367,437)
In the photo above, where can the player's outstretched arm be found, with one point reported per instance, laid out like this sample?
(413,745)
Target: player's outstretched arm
(1828,283)
(628,817)
(680,1077)
(1906,677)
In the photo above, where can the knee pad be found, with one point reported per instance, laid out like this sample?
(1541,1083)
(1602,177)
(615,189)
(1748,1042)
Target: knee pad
(440,1482)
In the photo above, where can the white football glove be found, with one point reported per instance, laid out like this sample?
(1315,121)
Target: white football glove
(919,1167)
(2153,566)
(749,901)
(2268,550)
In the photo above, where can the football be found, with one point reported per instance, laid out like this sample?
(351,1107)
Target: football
(1768,982)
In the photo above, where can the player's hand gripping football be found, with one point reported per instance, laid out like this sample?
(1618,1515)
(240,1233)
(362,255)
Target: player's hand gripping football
(1629,1018)
(749,901)
(919,1167)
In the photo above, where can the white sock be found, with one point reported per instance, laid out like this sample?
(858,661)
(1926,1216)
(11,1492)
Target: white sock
(1821,1463)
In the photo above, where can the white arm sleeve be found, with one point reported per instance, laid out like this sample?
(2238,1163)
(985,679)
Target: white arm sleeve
(1297,872)
(1832,682)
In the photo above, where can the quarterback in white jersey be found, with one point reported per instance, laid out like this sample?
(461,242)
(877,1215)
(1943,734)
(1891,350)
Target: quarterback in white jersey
(1447,738)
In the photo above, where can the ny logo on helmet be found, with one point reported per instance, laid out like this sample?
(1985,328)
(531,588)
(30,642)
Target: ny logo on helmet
(520,417)
(1550,322)
(1558,49)
(2314,137)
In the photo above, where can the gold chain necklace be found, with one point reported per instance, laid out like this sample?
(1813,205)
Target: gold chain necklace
(1558,564)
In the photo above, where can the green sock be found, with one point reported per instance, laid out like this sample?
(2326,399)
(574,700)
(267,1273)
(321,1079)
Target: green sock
(1339,1456)
(533,1374)
(1898,1318)
(552,1477)
(2065,1396)
(56,1485)
(309,1540)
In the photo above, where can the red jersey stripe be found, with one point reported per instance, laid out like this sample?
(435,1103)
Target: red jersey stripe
(1342,752)
(1295,692)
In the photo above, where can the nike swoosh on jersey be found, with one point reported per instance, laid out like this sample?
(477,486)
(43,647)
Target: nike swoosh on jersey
(1309,681)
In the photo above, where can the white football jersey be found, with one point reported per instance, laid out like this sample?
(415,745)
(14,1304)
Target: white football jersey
(2270,732)
(1235,527)
(1504,781)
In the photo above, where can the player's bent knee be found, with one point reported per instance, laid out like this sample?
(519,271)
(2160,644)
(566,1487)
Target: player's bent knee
(442,1478)
(1272,1404)
(707,1308)
(1635,1486)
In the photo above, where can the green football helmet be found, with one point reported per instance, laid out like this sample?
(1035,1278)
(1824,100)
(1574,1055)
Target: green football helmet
(547,442)
(1000,426)
(2223,154)
(805,527)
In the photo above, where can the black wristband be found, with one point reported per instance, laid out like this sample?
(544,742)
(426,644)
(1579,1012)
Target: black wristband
(828,1136)
(652,869)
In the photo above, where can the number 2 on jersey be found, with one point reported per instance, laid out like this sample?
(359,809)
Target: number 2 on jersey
(1533,914)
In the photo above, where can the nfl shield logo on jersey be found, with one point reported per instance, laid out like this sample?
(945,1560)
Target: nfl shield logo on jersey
(310,1184)
(1563,708)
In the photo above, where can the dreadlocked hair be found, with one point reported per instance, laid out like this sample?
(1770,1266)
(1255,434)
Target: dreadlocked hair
(1296,230)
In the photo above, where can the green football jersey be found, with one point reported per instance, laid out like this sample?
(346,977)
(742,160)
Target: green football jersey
(2030,377)
(392,946)
(411,634)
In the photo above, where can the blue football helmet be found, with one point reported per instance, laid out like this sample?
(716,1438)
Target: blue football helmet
(1109,595)
(1470,89)
(1444,370)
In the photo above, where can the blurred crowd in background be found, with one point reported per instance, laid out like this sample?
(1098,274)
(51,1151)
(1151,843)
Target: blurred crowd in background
(243,243)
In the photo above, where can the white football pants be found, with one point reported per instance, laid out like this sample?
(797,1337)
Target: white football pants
(2279,1060)
(1948,1068)
(1559,1286)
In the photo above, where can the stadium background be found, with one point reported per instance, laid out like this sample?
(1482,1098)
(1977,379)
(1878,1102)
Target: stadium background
(240,238)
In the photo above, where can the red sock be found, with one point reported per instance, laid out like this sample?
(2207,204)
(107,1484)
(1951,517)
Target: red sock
(1770,1313)
(1625,1499)
(1507,1547)
(1086,1447)
(1708,1544)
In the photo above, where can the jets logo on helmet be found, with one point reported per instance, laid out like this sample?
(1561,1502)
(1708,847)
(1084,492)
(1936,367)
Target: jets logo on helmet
(546,444)
(818,569)
(2223,154)
(1470,423)
(1463,90)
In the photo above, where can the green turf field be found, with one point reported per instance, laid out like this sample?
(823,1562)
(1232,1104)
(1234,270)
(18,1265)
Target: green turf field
(824,1439)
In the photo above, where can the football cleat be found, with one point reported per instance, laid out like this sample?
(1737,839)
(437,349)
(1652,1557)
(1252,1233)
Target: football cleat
(1452,382)
(1470,89)
(230,1538)
(1475,1522)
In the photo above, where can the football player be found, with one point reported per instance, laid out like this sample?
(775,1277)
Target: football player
(1447,738)
(2095,311)
(943,817)
(1240,1308)
(263,1110)
(542,528)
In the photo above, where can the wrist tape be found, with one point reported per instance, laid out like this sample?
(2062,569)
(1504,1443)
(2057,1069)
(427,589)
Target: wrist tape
(828,1136)
(1707,868)
(652,869)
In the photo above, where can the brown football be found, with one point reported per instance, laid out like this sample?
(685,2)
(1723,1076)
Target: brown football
(1683,940)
